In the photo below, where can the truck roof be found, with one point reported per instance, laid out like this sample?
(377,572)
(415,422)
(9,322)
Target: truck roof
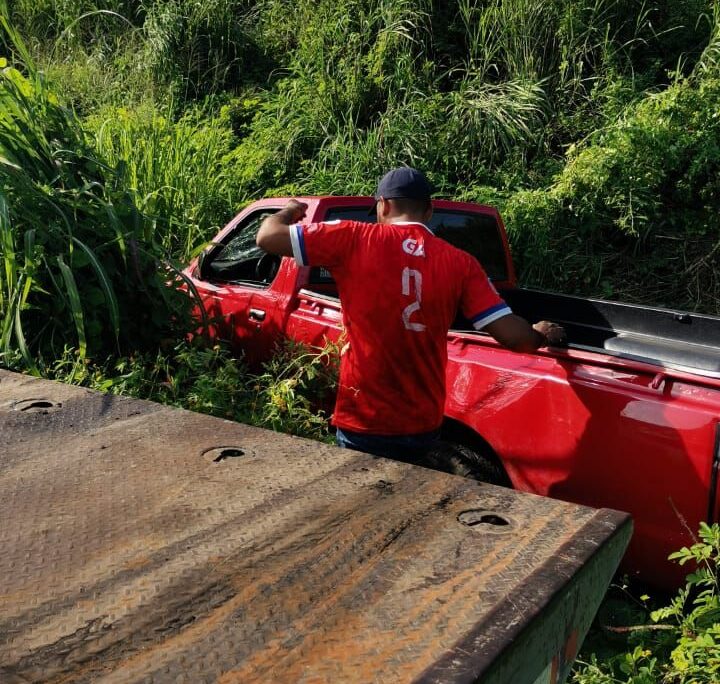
(362,200)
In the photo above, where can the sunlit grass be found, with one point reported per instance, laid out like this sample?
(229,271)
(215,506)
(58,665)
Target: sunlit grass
(78,257)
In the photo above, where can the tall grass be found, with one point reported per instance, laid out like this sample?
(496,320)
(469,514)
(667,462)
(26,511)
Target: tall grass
(202,47)
(531,101)
(74,21)
(175,172)
(78,267)
(498,84)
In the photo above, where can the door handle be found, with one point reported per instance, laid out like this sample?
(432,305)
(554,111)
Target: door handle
(257,314)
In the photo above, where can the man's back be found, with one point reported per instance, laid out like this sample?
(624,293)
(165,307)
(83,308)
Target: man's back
(400,288)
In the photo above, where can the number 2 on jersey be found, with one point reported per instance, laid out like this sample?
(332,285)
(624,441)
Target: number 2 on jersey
(409,274)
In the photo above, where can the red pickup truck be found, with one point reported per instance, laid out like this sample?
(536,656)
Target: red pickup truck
(627,417)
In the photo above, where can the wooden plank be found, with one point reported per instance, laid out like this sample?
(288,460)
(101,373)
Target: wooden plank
(131,550)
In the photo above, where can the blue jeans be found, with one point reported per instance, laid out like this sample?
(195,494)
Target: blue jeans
(410,448)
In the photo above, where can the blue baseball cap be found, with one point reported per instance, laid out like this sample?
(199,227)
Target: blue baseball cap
(404,183)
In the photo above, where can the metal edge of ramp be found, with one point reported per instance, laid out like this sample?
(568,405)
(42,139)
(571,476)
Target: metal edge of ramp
(550,613)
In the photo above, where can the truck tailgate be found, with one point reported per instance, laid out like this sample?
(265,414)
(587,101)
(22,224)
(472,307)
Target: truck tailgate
(149,544)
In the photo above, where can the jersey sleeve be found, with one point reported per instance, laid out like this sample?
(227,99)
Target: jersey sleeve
(322,244)
(481,304)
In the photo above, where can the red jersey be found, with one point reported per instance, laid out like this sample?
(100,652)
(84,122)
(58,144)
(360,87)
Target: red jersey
(400,289)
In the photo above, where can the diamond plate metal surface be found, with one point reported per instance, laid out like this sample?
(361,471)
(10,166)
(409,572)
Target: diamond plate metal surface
(133,550)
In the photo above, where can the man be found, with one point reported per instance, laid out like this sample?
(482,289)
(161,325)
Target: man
(400,288)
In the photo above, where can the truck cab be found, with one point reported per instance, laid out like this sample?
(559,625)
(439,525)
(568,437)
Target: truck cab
(248,293)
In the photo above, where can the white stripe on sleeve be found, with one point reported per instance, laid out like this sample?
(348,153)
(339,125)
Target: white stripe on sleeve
(479,325)
(295,242)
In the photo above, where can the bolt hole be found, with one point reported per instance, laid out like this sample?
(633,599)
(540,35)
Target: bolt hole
(490,519)
(228,453)
(43,406)
(35,405)
(478,518)
(223,453)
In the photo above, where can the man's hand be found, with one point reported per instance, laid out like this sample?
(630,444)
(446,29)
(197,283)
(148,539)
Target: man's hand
(553,333)
(293,210)
(517,334)
(274,233)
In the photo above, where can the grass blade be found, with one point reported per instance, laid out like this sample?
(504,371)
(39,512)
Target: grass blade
(75,305)
(20,335)
(7,252)
(107,287)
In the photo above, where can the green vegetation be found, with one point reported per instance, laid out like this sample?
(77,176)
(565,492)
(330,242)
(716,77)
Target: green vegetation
(130,130)
(591,123)
(290,393)
(678,643)
(80,262)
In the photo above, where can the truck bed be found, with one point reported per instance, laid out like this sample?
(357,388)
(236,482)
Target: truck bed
(673,339)
(663,337)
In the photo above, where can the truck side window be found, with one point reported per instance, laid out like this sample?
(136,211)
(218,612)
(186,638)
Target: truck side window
(239,259)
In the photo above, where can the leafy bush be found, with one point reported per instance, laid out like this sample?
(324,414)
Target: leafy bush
(696,611)
(637,205)
(295,389)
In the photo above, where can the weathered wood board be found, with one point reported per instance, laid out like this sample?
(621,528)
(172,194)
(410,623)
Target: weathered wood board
(140,543)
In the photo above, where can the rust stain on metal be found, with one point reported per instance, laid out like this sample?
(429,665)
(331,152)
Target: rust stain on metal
(148,544)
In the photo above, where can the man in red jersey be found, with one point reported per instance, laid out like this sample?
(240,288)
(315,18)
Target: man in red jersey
(400,288)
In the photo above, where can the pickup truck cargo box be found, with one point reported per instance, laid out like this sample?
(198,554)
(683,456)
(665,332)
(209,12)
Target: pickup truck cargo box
(141,543)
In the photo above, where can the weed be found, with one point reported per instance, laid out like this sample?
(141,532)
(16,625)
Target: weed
(290,393)
(295,389)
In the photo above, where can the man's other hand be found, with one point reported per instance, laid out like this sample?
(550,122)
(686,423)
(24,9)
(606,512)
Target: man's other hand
(553,333)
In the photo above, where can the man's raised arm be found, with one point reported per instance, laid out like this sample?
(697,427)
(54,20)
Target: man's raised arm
(274,233)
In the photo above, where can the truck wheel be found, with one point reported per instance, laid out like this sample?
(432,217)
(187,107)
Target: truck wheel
(458,459)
